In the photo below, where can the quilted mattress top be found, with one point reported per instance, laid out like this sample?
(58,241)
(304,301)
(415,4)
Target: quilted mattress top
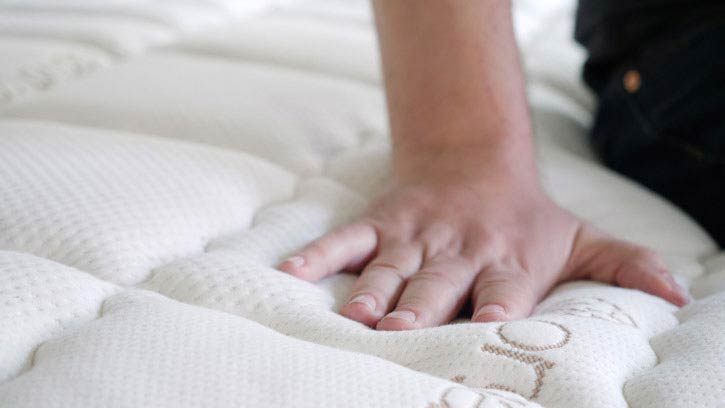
(157,158)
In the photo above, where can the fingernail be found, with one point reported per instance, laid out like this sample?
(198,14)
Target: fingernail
(493,310)
(684,294)
(296,261)
(677,289)
(366,300)
(669,282)
(402,315)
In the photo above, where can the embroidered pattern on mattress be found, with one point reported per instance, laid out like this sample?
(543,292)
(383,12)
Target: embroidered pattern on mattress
(595,308)
(456,397)
(524,355)
(522,352)
(46,74)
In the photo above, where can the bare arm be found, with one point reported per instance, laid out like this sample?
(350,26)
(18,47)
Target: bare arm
(464,217)
(453,76)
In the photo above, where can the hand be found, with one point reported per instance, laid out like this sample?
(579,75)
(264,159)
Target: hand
(451,228)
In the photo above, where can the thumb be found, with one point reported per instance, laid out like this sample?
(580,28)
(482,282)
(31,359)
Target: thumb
(599,257)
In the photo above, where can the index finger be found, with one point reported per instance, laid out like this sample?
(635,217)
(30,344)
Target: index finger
(343,248)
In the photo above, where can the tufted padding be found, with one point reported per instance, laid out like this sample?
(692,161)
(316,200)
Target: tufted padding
(295,41)
(158,158)
(691,356)
(116,205)
(263,110)
(41,299)
(197,357)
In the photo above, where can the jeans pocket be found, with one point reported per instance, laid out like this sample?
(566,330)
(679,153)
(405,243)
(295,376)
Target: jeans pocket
(661,122)
(673,93)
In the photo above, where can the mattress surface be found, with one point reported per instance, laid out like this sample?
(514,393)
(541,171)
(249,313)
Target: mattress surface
(158,158)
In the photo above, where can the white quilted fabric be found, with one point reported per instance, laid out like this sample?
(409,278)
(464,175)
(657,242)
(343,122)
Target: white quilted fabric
(158,158)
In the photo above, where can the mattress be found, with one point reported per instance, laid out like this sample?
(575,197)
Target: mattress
(158,158)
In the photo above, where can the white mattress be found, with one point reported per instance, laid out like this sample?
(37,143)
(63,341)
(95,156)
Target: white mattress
(157,158)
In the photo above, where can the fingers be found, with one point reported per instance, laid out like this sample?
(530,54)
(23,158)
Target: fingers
(344,248)
(432,296)
(381,282)
(502,294)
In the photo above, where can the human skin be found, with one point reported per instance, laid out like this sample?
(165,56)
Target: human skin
(464,217)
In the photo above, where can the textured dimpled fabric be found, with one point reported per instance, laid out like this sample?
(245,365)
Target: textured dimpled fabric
(157,159)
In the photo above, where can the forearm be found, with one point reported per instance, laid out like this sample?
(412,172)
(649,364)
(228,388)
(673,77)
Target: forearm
(453,79)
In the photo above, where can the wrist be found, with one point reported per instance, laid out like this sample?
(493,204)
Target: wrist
(473,165)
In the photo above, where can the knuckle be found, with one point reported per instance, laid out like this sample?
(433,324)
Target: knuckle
(437,231)
(418,198)
(319,254)
(432,277)
(503,277)
(641,254)
(483,245)
(451,249)
(376,267)
(437,253)
(484,237)
(393,231)
(317,250)
(442,241)
(644,259)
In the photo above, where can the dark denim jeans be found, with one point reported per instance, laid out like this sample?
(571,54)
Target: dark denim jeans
(661,121)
